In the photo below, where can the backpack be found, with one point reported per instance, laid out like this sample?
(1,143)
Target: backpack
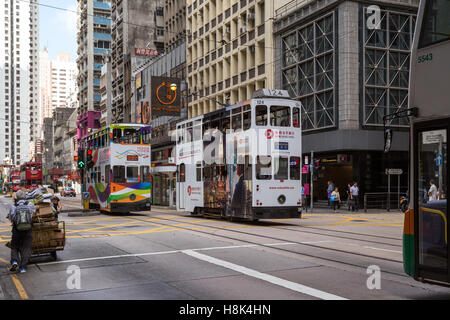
(22,219)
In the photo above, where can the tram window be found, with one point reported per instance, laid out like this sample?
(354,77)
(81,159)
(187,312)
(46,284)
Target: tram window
(280,116)
(182,173)
(197,133)
(207,172)
(247,120)
(222,172)
(226,124)
(281,166)
(261,115)
(107,174)
(98,175)
(263,167)
(296,117)
(295,168)
(145,174)
(189,134)
(132,174)
(145,137)
(199,171)
(119,174)
(237,122)
(103,140)
(117,135)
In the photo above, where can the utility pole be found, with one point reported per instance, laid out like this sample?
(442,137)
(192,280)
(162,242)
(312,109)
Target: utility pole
(311,186)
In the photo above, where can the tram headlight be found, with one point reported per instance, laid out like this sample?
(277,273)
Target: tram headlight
(282,199)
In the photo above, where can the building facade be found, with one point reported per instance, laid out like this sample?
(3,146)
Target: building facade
(175,24)
(94,43)
(19,79)
(348,74)
(137,35)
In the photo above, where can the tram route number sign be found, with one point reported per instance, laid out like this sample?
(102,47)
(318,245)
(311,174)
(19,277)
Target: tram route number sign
(394,171)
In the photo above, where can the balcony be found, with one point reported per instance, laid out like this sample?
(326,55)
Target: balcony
(235,80)
(260,29)
(251,73)
(102,5)
(243,39)
(243,76)
(261,69)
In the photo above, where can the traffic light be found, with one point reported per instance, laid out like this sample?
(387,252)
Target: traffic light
(80,158)
(89,162)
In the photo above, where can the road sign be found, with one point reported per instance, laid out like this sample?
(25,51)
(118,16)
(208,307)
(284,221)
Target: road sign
(86,195)
(394,171)
(438,160)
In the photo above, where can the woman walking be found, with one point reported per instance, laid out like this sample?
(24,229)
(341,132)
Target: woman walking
(335,199)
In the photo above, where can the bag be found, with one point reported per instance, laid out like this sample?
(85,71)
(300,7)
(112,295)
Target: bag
(333,198)
(22,219)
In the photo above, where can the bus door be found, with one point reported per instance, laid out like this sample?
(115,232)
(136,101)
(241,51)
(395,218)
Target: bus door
(430,200)
(181,182)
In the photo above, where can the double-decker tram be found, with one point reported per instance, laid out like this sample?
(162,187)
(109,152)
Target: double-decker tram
(425,238)
(31,175)
(115,168)
(243,160)
(14,179)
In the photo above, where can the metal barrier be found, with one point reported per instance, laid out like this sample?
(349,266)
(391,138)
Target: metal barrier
(382,200)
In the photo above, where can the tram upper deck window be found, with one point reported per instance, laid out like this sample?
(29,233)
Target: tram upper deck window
(261,115)
(236,122)
(119,174)
(146,136)
(197,132)
(263,167)
(117,135)
(132,136)
(435,26)
(280,116)
(226,123)
(247,120)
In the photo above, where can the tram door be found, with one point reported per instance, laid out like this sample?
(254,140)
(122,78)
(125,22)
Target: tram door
(181,185)
(431,193)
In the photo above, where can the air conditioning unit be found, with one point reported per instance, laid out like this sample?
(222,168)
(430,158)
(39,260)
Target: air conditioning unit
(227,29)
(250,16)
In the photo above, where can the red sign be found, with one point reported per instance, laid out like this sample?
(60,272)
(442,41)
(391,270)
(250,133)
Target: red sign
(132,157)
(146,52)
(69,177)
(269,134)
(189,190)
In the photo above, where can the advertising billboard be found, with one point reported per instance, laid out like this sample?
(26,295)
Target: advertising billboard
(165,96)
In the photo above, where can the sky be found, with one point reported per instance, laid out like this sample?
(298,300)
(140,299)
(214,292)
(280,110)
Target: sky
(58,28)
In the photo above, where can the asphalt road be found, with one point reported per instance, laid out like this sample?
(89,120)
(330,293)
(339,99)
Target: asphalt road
(164,254)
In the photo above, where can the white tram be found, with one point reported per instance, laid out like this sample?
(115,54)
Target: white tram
(243,160)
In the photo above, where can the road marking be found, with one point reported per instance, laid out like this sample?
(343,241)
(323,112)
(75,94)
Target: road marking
(265,277)
(396,251)
(162,252)
(20,289)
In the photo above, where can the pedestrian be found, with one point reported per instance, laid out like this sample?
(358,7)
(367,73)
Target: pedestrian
(433,192)
(20,215)
(349,197)
(354,192)
(335,198)
(329,191)
(56,204)
(304,206)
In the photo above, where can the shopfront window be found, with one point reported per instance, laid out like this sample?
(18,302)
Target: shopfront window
(432,198)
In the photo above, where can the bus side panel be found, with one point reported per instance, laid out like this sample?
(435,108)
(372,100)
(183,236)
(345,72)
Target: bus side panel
(408,243)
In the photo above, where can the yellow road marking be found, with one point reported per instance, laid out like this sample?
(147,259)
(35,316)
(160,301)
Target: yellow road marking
(20,289)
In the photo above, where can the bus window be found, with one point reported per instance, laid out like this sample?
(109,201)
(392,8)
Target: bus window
(296,117)
(132,174)
(261,115)
(263,167)
(295,168)
(247,120)
(280,116)
(280,168)
(236,122)
(107,174)
(119,174)
(117,135)
(145,174)
(199,171)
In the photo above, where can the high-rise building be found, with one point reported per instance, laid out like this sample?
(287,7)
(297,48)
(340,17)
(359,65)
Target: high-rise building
(230,51)
(137,35)
(175,23)
(19,79)
(94,43)
(58,83)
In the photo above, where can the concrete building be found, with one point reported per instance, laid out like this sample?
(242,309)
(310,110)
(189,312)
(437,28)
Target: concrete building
(44,87)
(94,43)
(137,35)
(230,51)
(47,159)
(175,24)
(348,74)
(19,65)
(106,91)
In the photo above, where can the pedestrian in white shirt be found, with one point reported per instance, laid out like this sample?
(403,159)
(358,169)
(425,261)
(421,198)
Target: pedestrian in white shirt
(433,192)
(354,193)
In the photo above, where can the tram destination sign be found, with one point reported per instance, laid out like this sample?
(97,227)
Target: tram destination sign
(394,171)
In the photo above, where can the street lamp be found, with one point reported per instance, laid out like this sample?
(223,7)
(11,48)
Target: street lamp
(173,87)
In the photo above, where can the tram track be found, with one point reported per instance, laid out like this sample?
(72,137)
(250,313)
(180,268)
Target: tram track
(308,245)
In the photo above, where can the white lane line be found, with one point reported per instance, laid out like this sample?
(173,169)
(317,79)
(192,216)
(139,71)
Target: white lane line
(373,248)
(160,252)
(266,277)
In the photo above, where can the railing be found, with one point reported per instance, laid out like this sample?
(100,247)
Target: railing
(382,200)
